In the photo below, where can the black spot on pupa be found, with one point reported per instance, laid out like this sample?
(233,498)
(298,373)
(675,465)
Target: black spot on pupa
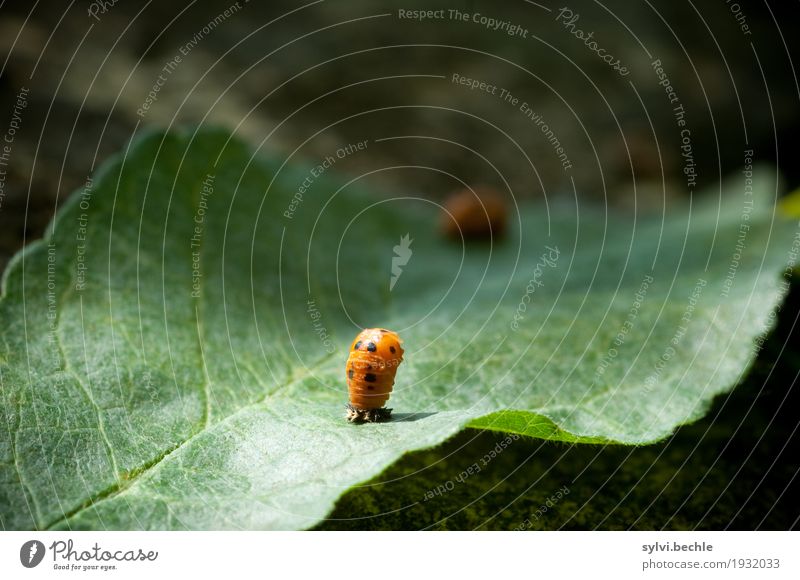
(369,367)
(370,378)
(370,388)
(350,374)
(383,330)
(392,349)
(357,345)
(371,347)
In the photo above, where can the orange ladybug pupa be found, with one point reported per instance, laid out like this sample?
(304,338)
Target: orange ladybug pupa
(371,367)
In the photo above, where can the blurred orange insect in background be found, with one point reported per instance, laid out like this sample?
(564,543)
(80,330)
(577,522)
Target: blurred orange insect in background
(371,367)
(479,213)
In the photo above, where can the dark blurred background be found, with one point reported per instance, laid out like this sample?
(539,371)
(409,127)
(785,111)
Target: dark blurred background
(89,67)
(308,78)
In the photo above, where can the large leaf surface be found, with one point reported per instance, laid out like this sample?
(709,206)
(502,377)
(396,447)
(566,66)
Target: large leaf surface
(128,402)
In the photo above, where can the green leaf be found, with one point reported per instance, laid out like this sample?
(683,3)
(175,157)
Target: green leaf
(173,351)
